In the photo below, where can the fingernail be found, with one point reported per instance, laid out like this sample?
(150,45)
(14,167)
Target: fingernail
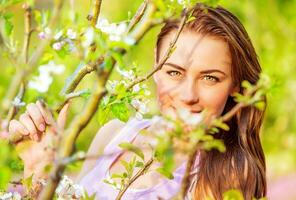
(41,127)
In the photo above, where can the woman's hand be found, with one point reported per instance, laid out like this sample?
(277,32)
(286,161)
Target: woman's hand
(39,127)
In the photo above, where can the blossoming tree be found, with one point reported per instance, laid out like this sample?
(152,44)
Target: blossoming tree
(100,46)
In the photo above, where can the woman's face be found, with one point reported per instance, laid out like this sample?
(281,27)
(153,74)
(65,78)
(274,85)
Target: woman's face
(196,76)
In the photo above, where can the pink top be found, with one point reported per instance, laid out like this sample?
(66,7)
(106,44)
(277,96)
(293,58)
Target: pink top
(93,181)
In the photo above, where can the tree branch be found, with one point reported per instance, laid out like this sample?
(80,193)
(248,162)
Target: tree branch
(193,152)
(32,62)
(96,12)
(166,56)
(138,16)
(28,32)
(134,178)
(78,124)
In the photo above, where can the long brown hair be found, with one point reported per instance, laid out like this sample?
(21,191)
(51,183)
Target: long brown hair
(242,166)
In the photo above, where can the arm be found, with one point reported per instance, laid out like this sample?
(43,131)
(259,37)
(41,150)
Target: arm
(102,138)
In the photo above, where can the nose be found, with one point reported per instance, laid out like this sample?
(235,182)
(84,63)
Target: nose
(189,92)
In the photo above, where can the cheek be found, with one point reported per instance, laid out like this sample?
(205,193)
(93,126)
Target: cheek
(214,99)
(163,92)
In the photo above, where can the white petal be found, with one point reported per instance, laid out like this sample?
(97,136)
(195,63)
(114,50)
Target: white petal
(58,35)
(139,116)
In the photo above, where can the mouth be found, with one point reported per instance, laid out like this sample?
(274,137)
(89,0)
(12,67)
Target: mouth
(195,111)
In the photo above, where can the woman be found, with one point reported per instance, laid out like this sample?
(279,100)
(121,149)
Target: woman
(213,56)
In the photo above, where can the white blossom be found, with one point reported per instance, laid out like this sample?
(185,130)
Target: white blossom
(45,34)
(58,35)
(126,74)
(141,108)
(147,92)
(51,67)
(116,32)
(136,88)
(58,45)
(10,196)
(189,118)
(17,102)
(129,40)
(67,189)
(42,35)
(71,34)
(88,37)
(160,126)
(139,116)
(111,85)
(42,82)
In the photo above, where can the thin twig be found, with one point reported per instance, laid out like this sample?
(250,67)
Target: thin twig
(28,32)
(96,12)
(138,16)
(32,62)
(165,57)
(145,23)
(192,154)
(77,126)
(135,177)
(80,74)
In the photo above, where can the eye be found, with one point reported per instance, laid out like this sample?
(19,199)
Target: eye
(211,78)
(173,73)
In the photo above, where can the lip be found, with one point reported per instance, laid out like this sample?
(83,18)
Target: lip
(195,111)
(192,111)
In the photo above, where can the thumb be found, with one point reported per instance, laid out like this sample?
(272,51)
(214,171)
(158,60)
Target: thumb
(62,118)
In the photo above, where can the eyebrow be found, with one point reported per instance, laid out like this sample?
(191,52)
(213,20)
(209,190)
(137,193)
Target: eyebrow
(202,72)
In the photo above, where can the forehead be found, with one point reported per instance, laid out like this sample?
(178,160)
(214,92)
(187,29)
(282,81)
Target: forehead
(194,50)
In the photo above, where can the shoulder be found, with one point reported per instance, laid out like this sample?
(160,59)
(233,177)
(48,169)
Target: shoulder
(106,133)
(102,138)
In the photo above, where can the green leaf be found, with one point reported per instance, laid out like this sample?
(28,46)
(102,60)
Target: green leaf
(38,17)
(120,111)
(217,144)
(165,172)
(87,197)
(139,164)
(103,115)
(47,168)
(28,182)
(127,166)
(232,195)
(8,27)
(132,148)
(117,176)
(246,84)
(260,105)
(190,19)
(46,58)
(220,124)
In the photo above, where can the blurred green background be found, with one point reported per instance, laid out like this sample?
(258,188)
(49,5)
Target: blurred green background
(271,25)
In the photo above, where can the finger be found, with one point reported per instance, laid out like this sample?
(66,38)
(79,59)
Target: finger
(26,120)
(17,127)
(63,116)
(47,115)
(36,116)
